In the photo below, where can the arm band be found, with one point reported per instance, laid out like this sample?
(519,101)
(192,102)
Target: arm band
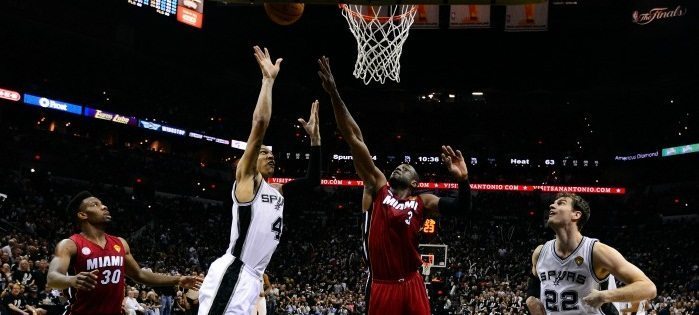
(459,205)
(534,287)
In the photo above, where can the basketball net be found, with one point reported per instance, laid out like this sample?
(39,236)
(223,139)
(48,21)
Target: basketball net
(426,269)
(381,32)
(427,264)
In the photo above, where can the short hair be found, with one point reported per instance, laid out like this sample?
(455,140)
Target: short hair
(74,204)
(579,204)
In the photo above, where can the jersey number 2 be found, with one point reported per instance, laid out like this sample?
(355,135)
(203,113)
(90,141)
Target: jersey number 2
(277,228)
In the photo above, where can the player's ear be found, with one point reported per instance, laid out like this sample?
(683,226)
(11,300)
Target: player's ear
(577,215)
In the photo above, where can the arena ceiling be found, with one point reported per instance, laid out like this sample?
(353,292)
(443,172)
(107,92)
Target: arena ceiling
(592,56)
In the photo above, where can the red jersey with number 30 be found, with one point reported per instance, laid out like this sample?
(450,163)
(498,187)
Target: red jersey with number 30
(107,296)
(393,226)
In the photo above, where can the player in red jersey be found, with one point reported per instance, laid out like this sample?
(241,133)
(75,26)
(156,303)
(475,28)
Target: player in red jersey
(98,262)
(394,215)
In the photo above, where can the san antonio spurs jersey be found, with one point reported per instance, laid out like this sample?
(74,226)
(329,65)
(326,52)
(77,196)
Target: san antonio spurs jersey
(257,227)
(234,281)
(565,281)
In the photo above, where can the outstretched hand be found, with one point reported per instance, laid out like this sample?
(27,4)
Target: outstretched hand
(311,127)
(454,161)
(326,75)
(190,282)
(269,70)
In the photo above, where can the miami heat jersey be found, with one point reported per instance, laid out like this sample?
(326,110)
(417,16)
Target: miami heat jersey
(108,294)
(392,225)
(257,227)
(566,281)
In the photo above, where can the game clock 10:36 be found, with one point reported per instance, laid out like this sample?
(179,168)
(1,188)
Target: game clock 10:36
(428,159)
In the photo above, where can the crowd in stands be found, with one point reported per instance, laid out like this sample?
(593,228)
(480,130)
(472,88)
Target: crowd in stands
(318,267)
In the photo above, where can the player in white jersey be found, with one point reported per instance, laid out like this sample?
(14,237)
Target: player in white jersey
(232,284)
(574,274)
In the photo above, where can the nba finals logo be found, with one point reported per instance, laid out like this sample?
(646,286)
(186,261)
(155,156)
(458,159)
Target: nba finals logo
(657,14)
(117,248)
(579,260)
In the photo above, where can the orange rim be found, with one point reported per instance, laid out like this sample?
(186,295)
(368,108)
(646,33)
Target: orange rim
(381,19)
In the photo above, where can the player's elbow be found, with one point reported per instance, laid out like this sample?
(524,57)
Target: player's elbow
(53,281)
(652,290)
(532,303)
(259,120)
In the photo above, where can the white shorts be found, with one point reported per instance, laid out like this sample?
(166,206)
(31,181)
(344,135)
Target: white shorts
(229,288)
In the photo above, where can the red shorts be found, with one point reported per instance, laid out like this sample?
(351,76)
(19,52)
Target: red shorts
(401,297)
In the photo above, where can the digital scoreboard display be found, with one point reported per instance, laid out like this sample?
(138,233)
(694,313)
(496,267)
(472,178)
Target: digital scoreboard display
(164,7)
(190,12)
(140,3)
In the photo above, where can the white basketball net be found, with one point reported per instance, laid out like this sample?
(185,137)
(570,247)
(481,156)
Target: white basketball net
(380,33)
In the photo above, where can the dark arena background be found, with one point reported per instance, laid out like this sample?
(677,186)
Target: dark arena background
(149,113)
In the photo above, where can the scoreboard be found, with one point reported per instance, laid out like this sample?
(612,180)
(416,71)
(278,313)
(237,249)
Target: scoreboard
(164,7)
(189,12)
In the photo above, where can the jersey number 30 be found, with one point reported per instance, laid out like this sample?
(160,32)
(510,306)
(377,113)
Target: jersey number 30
(111,276)
(569,300)
(277,228)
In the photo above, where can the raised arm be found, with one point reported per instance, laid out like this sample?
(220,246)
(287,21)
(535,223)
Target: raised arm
(312,178)
(454,161)
(57,278)
(373,177)
(608,260)
(247,166)
(134,271)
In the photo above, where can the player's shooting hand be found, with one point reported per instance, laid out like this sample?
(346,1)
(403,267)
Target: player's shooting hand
(595,298)
(454,161)
(191,282)
(311,127)
(269,70)
(85,280)
(326,75)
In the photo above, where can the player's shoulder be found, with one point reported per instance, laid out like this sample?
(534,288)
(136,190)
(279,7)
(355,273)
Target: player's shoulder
(599,248)
(537,252)
(426,197)
(68,245)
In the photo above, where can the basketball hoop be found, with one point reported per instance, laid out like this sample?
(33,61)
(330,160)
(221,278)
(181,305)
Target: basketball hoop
(381,32)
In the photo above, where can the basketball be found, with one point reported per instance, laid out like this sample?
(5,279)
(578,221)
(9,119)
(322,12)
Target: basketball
(284,13)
